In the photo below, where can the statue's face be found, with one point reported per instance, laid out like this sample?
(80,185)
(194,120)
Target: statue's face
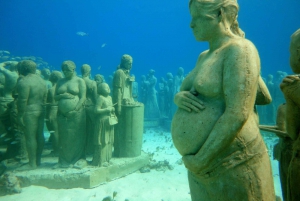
(203,27)
(68,71)
(295,57)
(127,65)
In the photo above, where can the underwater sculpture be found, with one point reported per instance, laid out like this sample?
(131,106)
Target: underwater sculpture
(70,95)
(170,94)
(151,105)
(127,142)
(162,93)
(105,120)
(46,75)
(143,89)
(32,94)
(8,111)
(91,96)
(283,149)
(215,128)
(290,87)
(51,112)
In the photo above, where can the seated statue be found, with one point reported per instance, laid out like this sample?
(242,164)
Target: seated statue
(215,128)
(70,95)
(104,131)
(32,94)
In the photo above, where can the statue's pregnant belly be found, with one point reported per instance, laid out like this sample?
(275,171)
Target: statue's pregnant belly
(67,105)
(190,129)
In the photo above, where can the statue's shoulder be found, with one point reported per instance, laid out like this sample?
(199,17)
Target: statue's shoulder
(240,45)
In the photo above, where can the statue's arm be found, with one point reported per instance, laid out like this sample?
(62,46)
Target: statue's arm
(82,93)
(98,107)
(263,96)
(240,79)
(23,94)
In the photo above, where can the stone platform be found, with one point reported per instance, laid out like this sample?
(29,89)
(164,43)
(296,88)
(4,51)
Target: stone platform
(87,177)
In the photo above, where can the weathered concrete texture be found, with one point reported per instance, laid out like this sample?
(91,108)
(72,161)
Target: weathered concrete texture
(88,177)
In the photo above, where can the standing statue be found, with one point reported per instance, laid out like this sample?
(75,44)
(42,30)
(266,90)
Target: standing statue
(104,129)
(178,80)
(122,94)
(8,111)
(127,142)
(46,75)
(162,96)
(143,89)
(51,112)
(215,127)
(135,90)
(70,95)
(32,94)
(290,87)
(91,96)
(151,106)
(170,95)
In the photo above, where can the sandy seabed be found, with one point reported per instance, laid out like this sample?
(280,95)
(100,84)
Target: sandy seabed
(166,185)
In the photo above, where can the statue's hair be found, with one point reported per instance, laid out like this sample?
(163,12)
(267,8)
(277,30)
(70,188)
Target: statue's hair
(296,38)
(125,59)
(212,9)
(99,76)
(85,68)
(100,87)
(27,66)
(55,76)
(69,64)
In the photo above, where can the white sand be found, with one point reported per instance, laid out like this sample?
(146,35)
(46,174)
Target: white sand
(171,185)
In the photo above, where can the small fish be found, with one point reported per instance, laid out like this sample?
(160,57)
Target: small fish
(6,52)
(103,45)
(46,119)
(3,135)
(81,33)
(14,142)
(99,67)
(51,131)
(9,128)
(7,139)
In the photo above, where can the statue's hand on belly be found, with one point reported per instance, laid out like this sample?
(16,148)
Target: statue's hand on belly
(194,164)
(188,101)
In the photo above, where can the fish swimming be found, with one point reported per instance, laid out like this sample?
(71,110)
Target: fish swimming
(80,33)
(103,45)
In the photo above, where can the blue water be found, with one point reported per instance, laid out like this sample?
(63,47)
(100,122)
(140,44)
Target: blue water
(155,33)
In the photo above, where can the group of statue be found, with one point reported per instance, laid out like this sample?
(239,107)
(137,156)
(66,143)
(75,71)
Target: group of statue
(215,127)
(79,112)
(159,104)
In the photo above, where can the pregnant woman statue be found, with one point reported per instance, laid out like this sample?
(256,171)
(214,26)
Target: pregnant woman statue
(215,128)
(70,95)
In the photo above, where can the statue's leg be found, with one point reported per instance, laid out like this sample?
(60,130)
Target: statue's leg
(40,137)
(31,121)
(294,178)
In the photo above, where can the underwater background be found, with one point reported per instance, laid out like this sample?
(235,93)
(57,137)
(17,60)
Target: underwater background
(155,33)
